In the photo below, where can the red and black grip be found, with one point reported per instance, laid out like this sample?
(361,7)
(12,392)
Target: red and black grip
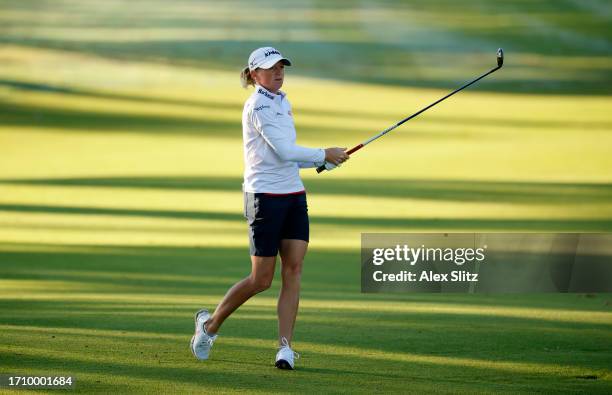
(355,148)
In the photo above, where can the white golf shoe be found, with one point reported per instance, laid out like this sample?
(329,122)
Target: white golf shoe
(285,356)
(201,342)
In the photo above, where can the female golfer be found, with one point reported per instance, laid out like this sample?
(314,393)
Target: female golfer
(274,203)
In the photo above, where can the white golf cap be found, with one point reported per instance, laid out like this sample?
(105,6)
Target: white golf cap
(266,57)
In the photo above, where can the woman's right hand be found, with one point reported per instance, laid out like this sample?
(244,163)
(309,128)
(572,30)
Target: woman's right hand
(336,155)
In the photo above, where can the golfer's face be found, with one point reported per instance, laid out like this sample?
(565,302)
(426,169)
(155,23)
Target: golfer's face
(272,78)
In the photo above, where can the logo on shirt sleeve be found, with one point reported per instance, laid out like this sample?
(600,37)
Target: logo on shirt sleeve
(260,108)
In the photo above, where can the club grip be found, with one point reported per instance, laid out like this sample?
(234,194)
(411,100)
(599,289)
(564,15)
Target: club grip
(355,148)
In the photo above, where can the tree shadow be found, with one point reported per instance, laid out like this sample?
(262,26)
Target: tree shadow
(30,86)
(365,223)
(328,60)
(50,119)
(435,190)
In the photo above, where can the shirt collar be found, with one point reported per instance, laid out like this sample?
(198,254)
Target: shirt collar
(280,95)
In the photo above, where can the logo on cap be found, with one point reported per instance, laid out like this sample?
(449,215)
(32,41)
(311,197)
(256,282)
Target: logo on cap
(260,57)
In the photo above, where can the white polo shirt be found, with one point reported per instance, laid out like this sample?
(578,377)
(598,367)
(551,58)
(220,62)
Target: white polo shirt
(271,157)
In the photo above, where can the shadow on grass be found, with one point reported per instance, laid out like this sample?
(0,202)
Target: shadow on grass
(88,93)
(210,271)
(122,374)
(329,59)
(50,120)
(480,338)
(366,223)
(229,375)
(437,190)
(585,124)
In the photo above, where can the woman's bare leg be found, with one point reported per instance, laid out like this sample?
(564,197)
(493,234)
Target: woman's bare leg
(262,273)
(292,254)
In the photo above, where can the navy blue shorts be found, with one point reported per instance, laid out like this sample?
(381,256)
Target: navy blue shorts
(272,218)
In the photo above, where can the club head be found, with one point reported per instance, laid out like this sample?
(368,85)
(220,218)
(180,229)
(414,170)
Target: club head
(500,57)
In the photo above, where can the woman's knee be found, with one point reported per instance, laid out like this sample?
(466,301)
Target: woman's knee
(292,269)
(261,283)
(262,273)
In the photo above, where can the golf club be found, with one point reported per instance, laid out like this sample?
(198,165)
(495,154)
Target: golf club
(500,62)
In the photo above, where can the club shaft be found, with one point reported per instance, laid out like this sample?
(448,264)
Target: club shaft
(368,141)
(379,135)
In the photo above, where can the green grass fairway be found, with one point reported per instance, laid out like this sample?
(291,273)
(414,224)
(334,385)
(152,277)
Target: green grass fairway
(121,204)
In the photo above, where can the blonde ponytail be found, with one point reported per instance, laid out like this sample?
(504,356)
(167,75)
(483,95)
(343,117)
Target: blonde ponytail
(245,78)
